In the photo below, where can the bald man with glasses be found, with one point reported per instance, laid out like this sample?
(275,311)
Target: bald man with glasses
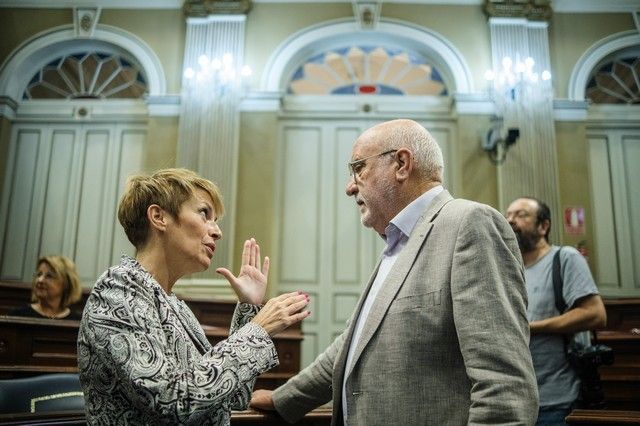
(440,335)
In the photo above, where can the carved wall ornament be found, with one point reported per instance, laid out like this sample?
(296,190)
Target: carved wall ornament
(201,8)
(85,20)
(534,10)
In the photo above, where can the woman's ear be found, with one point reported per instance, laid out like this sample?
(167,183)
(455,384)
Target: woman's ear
(157,217)
(404,158)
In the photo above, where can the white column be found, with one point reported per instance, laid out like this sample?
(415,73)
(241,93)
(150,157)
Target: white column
(531,166)
(209,118)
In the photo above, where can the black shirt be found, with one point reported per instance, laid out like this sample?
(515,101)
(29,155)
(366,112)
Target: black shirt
(28,311)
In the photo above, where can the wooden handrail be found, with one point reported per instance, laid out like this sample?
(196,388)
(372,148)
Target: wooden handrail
(603,417)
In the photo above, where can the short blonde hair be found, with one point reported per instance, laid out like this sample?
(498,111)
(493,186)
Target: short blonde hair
(65,269)
(169,189)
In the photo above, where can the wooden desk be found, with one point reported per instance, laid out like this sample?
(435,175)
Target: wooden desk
(49,346)
(603,417)
(216,312)
(31,346)
(318,417)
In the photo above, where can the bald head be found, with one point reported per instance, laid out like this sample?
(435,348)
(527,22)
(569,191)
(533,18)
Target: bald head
(403,133)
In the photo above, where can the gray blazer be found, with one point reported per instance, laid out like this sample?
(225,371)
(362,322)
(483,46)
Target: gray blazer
(446,341)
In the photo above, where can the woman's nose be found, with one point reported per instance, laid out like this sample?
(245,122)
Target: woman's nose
(215,231)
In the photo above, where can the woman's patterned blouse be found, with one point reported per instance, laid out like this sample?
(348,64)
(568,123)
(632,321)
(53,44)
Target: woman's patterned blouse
(144,359)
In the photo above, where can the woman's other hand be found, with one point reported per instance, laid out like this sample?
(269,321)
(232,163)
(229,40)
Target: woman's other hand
(251,283)
(282,312)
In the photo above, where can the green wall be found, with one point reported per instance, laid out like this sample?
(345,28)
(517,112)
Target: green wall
(268,25)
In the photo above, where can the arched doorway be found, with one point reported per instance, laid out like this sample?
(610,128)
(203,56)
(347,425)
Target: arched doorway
(607,75)
(338,81)
(78,130)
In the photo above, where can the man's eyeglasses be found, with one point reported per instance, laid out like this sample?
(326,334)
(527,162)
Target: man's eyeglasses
(356,167)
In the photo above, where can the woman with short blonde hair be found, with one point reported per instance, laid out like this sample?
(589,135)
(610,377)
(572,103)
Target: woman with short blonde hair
(142,355)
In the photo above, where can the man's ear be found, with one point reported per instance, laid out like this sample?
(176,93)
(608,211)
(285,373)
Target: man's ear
(157,217)
(543,227)
(404,158)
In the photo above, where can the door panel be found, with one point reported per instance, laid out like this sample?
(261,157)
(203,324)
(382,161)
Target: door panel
(18,199)
(57,204)
(614,157)
(69,178)
(323,249)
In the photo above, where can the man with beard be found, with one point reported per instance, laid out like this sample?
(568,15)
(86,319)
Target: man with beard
(440,334)
(558,384)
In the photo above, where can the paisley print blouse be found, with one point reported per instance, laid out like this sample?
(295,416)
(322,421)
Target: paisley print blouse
(144,359)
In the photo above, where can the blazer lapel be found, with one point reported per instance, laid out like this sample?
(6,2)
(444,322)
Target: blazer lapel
(341,359)
(398,274)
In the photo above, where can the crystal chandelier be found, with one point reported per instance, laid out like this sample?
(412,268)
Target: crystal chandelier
(514,89)
(218,75)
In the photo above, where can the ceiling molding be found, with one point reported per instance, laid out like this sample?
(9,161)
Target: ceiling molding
(559,6)
(593,6)
(104,4)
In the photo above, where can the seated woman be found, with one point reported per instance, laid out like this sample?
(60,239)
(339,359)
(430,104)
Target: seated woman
(143,357)
(56,286)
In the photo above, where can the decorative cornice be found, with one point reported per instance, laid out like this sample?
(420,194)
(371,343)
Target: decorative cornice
(201,8)
(535,10)
(559,6)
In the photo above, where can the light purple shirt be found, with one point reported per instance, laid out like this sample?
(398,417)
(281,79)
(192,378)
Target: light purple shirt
(396,236)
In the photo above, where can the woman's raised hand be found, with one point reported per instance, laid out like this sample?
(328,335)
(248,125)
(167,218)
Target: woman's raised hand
(251,283)
(282,312)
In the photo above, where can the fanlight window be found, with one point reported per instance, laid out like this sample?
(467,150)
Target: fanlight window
(364,70)
(616,82)
(92,75)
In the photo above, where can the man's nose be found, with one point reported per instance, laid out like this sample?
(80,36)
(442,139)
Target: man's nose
(351,188)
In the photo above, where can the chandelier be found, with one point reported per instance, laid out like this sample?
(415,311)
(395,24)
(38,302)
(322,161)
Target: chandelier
(218,75)
(514,81)
(514,89)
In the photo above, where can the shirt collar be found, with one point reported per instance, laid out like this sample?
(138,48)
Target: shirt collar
(404,222)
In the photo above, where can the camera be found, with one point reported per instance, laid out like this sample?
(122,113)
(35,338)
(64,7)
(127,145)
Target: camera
(586,362)
(591,357)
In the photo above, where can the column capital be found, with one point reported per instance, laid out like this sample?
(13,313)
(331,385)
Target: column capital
(202,8)
(535,10)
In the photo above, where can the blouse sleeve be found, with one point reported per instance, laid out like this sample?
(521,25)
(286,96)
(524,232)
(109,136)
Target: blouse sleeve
(124,328)
(242,316)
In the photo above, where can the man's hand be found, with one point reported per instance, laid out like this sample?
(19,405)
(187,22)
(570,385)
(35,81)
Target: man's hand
(262,400)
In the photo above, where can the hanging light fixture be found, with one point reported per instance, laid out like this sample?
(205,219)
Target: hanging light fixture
(513,85)
(218,75)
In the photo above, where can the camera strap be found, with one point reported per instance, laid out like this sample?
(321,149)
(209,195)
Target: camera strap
(557,283)
(561,305)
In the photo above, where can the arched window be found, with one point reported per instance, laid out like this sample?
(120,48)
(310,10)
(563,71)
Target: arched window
(617,81)
(365,70)
(89,75)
